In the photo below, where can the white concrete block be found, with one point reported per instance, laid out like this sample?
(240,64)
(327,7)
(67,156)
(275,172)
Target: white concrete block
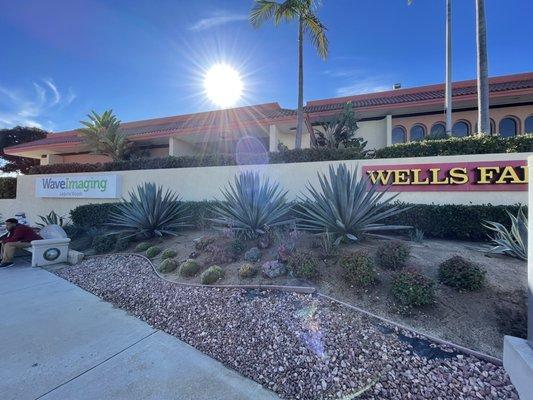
(518,362)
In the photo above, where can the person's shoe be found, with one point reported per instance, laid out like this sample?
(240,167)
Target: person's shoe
(6,264)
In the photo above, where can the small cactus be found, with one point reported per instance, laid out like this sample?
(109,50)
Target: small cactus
(212,274)
(143,246)
(168,253)
(247,270)
(168,265)
(153,251)
(189,268)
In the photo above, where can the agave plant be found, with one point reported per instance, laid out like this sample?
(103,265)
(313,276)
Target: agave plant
(148,213)
(251,206)
(346,206)
(510,242)
(51,219)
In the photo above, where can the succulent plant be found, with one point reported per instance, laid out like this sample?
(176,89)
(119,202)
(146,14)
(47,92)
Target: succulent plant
(142,247)
(168,265)
(189,268)
(273,269)
(252,255)
(247,270)
(153,251)
(251,206)
(212,274)
(168,253)
(148,213)
(510,242)
(346,206)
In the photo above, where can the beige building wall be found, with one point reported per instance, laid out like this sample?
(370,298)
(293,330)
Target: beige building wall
(205,183)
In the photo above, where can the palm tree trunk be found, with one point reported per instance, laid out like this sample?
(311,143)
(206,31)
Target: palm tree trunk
(300,113)
(448,95)
(482,69)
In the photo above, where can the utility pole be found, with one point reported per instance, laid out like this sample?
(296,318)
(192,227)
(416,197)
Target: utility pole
(483,122)
(448,88)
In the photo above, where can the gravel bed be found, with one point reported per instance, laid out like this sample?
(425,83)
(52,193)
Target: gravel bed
(297,345)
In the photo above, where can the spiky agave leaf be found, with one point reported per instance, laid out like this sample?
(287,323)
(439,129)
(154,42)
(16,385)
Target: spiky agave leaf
(510,242)
(346,206)
(149,212)
(251,206)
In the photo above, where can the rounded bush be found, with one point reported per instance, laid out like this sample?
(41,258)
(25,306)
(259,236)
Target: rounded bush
(358,268)
(252,255)
(303,264)
(247,270)
(153,251)
(393,254)
(168,265)
(142,247)
(412,289)
(461,274)
(189,268)
(212,274)
(104,243)
(168,253)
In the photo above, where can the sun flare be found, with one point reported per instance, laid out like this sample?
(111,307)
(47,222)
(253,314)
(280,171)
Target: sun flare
(223,85)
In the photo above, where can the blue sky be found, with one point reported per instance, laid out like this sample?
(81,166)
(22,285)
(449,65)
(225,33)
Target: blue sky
(146,58)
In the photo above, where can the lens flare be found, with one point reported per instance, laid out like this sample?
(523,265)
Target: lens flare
(223,85)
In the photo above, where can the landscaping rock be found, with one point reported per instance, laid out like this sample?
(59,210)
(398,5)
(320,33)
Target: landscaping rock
(297,345)
(273,269)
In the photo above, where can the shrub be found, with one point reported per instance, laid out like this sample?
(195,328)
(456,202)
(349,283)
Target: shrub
(104,243)
(89,215)
(168,265)
(149,213)
(212,274)
(247,270)
(189,268)
(479,144)
(453,221)
(152,251)
(511,242)
(168,253)
(303,264)
(345,206)
(358,268)
(251,206)
(393,254)
(220,253)
(142,247)
(461,274)
(412,289)
(8,188)
(252,255)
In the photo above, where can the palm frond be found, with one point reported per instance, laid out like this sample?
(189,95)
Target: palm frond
(317,32)
(262,11)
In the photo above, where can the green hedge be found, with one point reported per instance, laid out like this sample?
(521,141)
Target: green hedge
(207,160)
(8,188)
(482,144)
(459,222)
(453,221)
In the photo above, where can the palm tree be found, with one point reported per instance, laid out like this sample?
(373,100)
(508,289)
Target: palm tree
(305,12)
(102,134)
(482,69)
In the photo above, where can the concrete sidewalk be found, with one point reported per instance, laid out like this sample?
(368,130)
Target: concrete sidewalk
(59,342)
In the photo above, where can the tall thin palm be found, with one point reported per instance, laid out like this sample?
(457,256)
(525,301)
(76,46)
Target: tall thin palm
(482,69)
(304,11)
(103,136)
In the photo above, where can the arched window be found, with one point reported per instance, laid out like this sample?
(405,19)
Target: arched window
(461,129)
(417,132)
(528,124)
(398,135)
(508,127)
(438,129)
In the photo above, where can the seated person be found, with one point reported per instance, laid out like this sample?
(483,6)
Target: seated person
(19,237)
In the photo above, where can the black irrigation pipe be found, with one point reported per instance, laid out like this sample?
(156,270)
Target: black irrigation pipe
(312,290)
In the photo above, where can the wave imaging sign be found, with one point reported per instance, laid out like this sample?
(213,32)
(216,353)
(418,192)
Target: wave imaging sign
(84,186)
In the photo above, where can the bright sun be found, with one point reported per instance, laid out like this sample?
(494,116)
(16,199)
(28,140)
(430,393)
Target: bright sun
(223,85)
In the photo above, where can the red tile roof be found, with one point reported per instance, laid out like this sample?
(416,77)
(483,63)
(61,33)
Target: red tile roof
(421,94)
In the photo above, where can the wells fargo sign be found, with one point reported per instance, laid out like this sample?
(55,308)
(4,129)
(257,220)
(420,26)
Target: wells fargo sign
(458,176)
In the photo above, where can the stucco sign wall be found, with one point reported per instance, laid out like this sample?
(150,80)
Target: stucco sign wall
(81,186)
(510,175)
